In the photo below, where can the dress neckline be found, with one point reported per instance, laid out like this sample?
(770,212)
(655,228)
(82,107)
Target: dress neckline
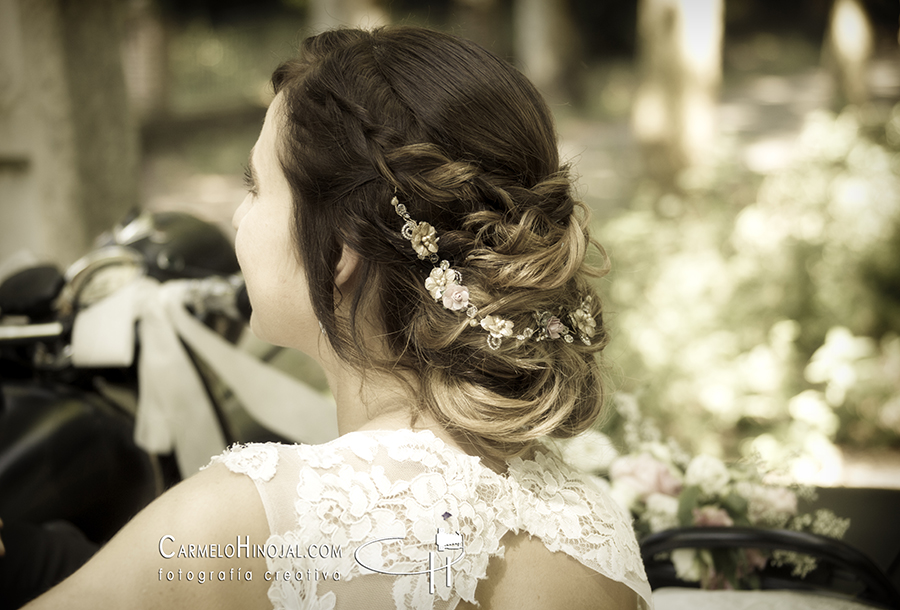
(423,438)
(426,439)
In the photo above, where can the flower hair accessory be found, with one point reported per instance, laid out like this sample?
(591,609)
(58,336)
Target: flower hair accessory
(445,284)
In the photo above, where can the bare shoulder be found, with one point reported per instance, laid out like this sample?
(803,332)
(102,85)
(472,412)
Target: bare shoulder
(529,576)
(175,553)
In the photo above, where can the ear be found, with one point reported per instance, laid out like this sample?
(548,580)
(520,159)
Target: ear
(345,270)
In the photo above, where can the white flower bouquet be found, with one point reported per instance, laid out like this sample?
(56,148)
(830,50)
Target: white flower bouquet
(664,488)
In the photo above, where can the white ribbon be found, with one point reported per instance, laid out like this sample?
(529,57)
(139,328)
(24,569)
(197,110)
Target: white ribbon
(174,409)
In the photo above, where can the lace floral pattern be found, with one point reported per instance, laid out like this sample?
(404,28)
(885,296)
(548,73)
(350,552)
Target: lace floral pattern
(257,461)
(565,516)
(293,594)
(393,490)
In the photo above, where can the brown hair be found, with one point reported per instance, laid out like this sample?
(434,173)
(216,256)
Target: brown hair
(468,145)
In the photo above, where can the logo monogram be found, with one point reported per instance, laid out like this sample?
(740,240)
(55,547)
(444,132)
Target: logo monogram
(444,541)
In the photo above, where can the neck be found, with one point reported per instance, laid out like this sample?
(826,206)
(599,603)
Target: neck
(378,400)
(365,399)
(371,399)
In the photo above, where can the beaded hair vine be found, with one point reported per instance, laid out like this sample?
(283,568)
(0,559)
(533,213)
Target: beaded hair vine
(445,284)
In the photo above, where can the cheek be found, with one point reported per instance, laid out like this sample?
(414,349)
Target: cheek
(239,248)
(282,313)
(243,223)
(276,285)
(255,258)
(241,211)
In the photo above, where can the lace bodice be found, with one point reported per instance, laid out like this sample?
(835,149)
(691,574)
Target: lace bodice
(360,521)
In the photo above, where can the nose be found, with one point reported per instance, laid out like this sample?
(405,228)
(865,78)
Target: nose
(240,212)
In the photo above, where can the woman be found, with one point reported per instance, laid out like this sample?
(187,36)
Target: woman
(409,225)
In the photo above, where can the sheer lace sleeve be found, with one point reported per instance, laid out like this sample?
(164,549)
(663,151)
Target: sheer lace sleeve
(569,513)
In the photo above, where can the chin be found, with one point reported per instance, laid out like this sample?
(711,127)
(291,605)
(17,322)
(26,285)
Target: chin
(259,329)
(285,334)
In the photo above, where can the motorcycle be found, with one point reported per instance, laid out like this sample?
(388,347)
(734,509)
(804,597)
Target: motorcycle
(119,378)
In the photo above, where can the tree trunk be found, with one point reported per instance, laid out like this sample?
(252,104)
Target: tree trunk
(68,146)
(680,52)
(546,46)
(146,59)
(848,47)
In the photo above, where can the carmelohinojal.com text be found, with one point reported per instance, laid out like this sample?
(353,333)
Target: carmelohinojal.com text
(170,549)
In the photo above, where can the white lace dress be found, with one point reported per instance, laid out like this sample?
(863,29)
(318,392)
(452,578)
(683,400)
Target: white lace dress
(372,519)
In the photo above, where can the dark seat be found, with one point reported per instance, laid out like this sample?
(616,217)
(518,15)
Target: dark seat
(874,522)
(66,454)
(842,569)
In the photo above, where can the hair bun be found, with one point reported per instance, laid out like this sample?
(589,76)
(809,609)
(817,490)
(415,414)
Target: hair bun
(472,154)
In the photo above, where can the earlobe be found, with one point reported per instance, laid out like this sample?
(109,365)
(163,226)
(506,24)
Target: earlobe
(346,267)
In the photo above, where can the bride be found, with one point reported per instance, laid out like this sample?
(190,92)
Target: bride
(409,225)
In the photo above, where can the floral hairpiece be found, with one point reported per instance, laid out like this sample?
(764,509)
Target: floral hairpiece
(445,284)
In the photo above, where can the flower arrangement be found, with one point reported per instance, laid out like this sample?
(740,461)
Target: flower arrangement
(665,488)
(662,493)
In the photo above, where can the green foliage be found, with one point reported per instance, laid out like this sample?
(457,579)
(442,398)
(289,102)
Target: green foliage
(687,502)
(759,314)
(737,505)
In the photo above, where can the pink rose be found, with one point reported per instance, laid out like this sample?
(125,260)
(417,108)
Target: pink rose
(712,516)
(555,327)
(755,559)
(456,297)
(645,474)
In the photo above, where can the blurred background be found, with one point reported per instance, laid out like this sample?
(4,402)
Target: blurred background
(741,158)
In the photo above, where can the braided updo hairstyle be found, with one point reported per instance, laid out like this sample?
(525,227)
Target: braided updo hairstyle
(467,144)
